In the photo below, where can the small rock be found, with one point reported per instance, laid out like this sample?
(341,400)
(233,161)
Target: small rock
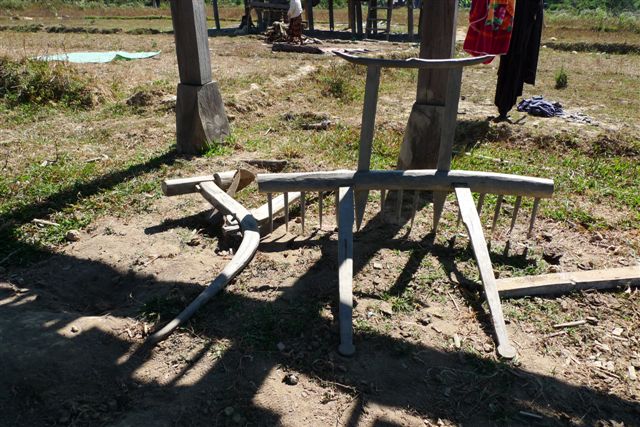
(238,418)
(457,342)
(632,373)
(554,269)
(552,256)
(488,348)
(291,379)
(75,329)
(617,332)
(281,346)
(195,241)
(112,404)
(424,321)
(547,236)
(386,308)
(553,39)
(228,411)
(72,236)
(592,320)
(377,266)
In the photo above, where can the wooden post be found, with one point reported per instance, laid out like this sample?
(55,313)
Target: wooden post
(216,15)
(410,19)
(309,12)
(200,115)
(351,14)
(331,24)
(421,145)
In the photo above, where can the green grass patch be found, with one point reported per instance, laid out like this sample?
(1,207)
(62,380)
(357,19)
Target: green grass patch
(38,83)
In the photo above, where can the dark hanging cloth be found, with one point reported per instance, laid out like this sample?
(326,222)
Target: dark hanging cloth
(520,64)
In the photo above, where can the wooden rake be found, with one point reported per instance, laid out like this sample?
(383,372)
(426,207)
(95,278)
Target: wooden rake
(346,184)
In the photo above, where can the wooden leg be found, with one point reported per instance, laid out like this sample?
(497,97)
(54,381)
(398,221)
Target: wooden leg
(345,271)
(359,17)
(216,15)
(472,223)
(496,214)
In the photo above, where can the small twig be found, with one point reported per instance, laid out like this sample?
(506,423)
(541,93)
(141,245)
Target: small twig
(454,302)
(530,414)
(44,222)
(570,324)
(10,255)
(555,334)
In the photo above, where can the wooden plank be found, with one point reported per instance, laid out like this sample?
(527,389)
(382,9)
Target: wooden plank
(192,44)
(561,283)
(345,271)
(418,63)
(425,180)
(472,223)
(247,249)
(367,131)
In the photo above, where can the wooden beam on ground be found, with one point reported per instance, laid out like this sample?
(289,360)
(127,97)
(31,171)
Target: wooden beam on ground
(179,186)
(561,283)
(423,179)
(419,63)
(471,221)
(247,249)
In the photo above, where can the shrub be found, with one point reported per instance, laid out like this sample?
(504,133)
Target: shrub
(29,81)
(561,79)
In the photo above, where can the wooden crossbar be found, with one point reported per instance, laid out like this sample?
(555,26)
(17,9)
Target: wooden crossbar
(417,63)
(423,180)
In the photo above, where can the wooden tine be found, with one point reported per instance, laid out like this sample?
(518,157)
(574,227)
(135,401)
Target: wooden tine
(399,206)
(383,196)
(439,198)
(302,209)
(270,203)
(286,212)
(516,208)
(320,203)
(414,208)
(534,213)
(480,202)
(337,196)
(497,213)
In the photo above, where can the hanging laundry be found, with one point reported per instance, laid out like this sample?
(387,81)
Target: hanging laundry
(490,27)
(520,64)
(538,106)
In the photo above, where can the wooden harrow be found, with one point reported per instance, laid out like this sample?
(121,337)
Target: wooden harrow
(351,189)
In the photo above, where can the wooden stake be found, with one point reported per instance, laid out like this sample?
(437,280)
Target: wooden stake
(516,208)
(481,202)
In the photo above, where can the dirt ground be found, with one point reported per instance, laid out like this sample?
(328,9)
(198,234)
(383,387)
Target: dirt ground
(73,325)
